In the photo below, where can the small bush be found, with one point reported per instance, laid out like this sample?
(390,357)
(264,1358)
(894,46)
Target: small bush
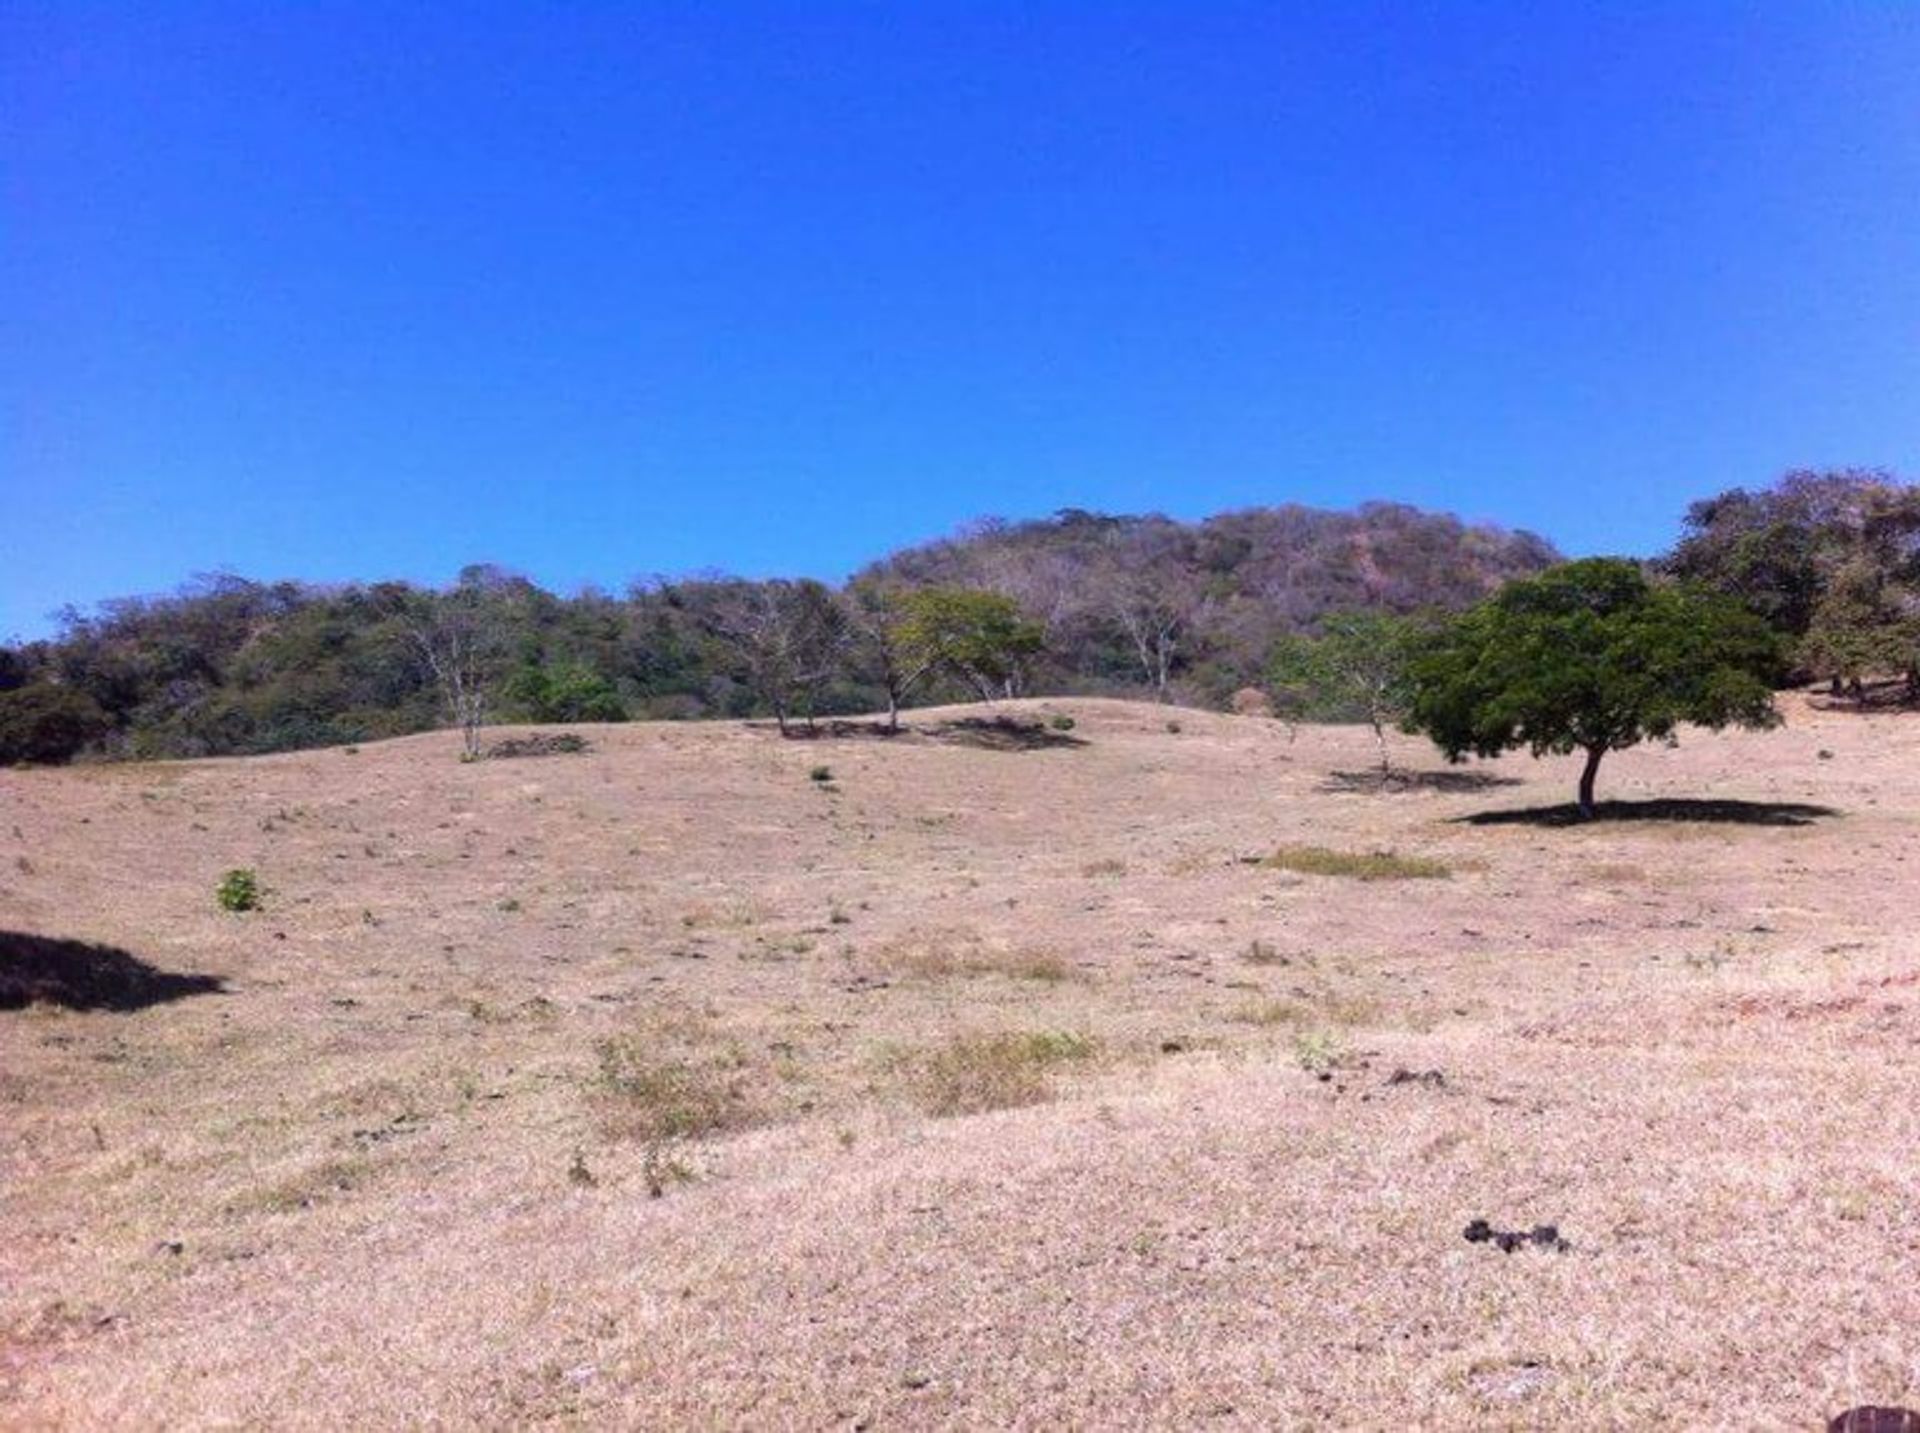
(974,1073)
(1061,723)
(821,774)
(239,890)
(1359,865)
(1173,728)
(658,1099)
(1318,1051)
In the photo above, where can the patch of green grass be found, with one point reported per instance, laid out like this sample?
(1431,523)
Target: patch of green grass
(239,890)
(1357,865)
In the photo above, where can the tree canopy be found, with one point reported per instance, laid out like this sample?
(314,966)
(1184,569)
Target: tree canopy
(1359,666)
(1592,656)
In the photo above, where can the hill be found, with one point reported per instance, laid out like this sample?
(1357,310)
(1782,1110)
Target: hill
(992,1075)
(1127,605)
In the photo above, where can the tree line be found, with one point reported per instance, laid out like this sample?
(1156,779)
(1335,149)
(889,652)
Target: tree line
(1077,603)
(1329,612)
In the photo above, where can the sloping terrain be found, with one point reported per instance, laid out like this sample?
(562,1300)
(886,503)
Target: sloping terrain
(992,1075)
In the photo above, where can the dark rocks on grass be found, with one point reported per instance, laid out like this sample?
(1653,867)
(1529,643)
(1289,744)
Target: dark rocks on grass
(1509,1241)
(1869,1418)
(1433,1079)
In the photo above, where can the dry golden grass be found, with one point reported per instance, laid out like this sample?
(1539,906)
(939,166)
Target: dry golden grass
(662,1086)
(1359,865)
(970,1074)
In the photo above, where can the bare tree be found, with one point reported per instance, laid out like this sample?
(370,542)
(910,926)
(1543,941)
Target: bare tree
(460,639)
(878,622)
(788,636)
(1155,602)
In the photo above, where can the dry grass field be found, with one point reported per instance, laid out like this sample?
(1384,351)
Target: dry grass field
(1130,1077)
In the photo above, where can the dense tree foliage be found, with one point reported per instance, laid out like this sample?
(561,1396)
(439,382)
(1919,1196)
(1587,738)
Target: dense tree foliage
(1082,602)
(1592,656)
(1829,560)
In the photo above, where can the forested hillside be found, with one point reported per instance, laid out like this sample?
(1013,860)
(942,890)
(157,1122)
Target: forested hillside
(1126,605)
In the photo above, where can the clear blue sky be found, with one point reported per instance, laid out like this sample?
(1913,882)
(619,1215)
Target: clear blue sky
(592,291)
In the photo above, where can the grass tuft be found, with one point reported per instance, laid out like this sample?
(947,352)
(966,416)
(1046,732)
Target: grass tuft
(970,1074)
(1358,865)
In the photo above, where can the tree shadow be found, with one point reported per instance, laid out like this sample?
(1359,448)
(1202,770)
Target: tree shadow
(1376,781)
(834,729)
(79,975)
(1002,733)
(1723,812)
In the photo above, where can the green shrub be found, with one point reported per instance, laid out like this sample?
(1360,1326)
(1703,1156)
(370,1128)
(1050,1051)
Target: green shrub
(821,774)
(239,890)
(1061,723)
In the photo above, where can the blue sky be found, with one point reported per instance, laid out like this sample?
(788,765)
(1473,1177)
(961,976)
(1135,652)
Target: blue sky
(592,291)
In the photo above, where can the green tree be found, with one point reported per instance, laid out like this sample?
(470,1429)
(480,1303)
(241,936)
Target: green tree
(978,637)
(1359,666)
(1592,657)
(569,691)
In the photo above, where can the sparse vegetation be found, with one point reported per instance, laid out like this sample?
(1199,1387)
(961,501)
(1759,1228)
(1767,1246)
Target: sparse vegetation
(660,1098)
(239,890)
(1357,865)
(970,1074)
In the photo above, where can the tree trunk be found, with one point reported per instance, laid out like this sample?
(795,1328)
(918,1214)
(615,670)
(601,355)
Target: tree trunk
(1386,760)
(893,707)
(1594,753)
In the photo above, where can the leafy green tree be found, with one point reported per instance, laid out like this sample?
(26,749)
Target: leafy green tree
(977,637)
(47,722)
(567,692)
(1592,657)
(1859,627)
(1360,665)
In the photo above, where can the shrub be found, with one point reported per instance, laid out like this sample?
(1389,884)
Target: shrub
(1061,723)
(657,1098)
(239,890)
(821,774)
(1360,865)
(45,722)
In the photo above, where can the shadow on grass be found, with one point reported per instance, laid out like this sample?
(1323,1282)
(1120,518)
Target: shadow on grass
(1375,780)
(834,729)
(1002,733)
(1735,813)
(82,976)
